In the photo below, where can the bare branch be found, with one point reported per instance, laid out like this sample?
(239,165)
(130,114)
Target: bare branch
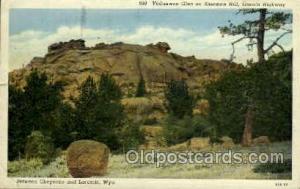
(237,41)
(286,29)
(240,39)
(281,47)
(276,40)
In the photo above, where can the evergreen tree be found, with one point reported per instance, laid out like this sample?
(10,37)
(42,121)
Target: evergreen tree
(254,30)
(31,109)
(109,111)
(108,89)
(17,128)
(40,98)
(63,128)
(84,115)
(99,112)
(179,101)
(268,85)
(141,90)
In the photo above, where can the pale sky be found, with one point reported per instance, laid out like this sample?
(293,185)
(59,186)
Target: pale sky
(188,32)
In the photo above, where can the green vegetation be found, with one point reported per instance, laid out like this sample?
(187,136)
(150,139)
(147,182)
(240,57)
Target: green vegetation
(266,87)
(14,168)
(179,101)
(249,101)
(130,137)
(141,89)
(40,119)
(119,168)
(39,146)
(254,30)
(38,112)
(180,130)
(99,112)
(284,167)
(32,109)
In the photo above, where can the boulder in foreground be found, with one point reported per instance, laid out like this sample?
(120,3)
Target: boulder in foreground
(87,158)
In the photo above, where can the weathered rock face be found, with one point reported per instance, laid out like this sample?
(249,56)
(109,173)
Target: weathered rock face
(72,62)
(87,158)
(73,44)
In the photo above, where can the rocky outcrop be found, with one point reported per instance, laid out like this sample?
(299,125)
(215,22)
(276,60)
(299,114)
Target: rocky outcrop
(73,44)
(161,46)
(72,62)
(87,158)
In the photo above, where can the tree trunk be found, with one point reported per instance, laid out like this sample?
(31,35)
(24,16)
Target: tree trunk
(261,35)
(247,135)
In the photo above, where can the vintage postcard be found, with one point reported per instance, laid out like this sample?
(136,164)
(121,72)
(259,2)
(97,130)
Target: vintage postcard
(150,94)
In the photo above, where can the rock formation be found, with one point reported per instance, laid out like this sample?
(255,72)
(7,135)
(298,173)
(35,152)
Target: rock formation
(72,62)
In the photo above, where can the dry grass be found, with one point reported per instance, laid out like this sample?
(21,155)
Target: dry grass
(119,168)
(139,105)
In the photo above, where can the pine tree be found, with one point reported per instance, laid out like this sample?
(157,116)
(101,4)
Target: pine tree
(109,111)
(85,105)
(30,109)
(40,98)
(179,101)
(99,112)
(268,85)
(254,30)
(141,90)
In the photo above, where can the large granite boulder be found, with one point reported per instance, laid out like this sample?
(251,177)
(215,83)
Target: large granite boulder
(87,158)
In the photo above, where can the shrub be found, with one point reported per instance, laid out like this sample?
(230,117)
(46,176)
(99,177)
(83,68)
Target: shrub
(150,121)
(284,167)
(180,130)
(24,165)
(35,168)
(137,105)
(130,136)
(39,146)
